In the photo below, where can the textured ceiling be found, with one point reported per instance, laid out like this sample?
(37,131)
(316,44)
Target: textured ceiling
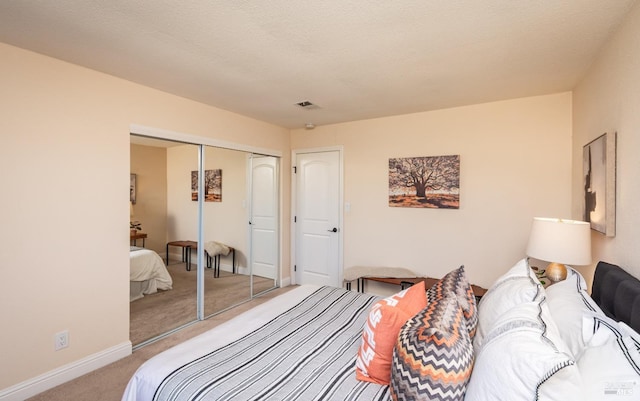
(354,59)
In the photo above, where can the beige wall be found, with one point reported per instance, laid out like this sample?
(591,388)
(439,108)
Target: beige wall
(65,160)
(182,212)
(607,100)
(149,163)
(515,164)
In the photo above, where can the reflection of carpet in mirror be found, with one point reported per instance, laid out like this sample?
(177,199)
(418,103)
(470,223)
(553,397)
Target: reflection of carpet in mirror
(165,310)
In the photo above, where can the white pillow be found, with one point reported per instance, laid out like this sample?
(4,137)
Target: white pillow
(565,384)
(516,286)
(610,363)
(568,301)
(520,269)
(524,358)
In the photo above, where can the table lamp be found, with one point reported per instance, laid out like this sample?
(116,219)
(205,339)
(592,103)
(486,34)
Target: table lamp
(560,242)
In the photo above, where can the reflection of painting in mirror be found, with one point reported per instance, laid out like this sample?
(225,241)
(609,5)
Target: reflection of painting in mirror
(132,189)
(212,185)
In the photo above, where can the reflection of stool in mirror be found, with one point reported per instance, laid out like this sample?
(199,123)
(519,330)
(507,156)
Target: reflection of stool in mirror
(214,251)
(186,246)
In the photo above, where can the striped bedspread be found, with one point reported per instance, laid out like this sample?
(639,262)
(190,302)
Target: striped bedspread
(306,353)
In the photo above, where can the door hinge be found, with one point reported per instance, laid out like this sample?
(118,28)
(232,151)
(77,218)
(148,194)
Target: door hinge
(295,170)
(295,219)
(295,268)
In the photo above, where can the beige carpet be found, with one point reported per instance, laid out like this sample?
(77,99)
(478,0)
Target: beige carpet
(165,310)
(108,383)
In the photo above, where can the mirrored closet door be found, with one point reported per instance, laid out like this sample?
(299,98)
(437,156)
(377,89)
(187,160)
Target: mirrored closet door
(239,248)
(227,281)
(163,278)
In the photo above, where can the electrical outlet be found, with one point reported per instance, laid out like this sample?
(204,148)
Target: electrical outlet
(61,340)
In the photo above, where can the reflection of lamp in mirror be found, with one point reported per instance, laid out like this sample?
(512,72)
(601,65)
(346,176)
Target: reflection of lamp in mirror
(132,224)
(560,242)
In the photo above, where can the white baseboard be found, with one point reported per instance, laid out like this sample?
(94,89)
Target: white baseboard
(239,269)
(63,374)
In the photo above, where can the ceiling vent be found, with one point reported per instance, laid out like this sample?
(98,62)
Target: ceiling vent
(305,104)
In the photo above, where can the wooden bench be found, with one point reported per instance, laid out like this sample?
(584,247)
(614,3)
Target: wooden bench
(186,251)
(212,261)
(216,261)
(409,281)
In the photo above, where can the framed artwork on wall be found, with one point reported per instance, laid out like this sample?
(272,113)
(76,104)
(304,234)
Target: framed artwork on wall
(599,168)
(212,185)
(425,182)
(132,189)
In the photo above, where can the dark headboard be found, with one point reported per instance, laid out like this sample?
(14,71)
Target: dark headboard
(618,294)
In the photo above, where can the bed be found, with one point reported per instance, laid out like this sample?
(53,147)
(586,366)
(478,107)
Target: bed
(148,273)
(521,341)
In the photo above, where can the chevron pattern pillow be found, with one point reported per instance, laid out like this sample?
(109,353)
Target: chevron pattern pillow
(456,282)
(433,356)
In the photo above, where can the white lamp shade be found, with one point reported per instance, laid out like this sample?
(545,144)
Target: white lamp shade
(560,241)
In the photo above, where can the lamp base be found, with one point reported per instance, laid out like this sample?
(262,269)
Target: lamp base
(556,272)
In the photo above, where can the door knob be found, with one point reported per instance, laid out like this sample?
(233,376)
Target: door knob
(335,230)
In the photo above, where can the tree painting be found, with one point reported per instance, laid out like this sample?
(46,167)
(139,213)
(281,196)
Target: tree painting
(427,182)
(212,185)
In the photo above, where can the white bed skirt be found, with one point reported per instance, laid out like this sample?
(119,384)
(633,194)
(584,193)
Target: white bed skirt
(147,273)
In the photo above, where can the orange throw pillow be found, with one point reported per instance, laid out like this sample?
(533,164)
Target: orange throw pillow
(380,333)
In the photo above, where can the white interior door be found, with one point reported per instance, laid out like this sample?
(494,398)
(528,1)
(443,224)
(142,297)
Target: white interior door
(264,216)
(318,235)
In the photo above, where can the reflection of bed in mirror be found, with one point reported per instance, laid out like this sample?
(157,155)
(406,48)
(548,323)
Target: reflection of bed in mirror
(148,273)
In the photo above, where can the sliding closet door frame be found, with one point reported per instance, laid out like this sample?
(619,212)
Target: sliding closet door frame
(199,140)
(200,253)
